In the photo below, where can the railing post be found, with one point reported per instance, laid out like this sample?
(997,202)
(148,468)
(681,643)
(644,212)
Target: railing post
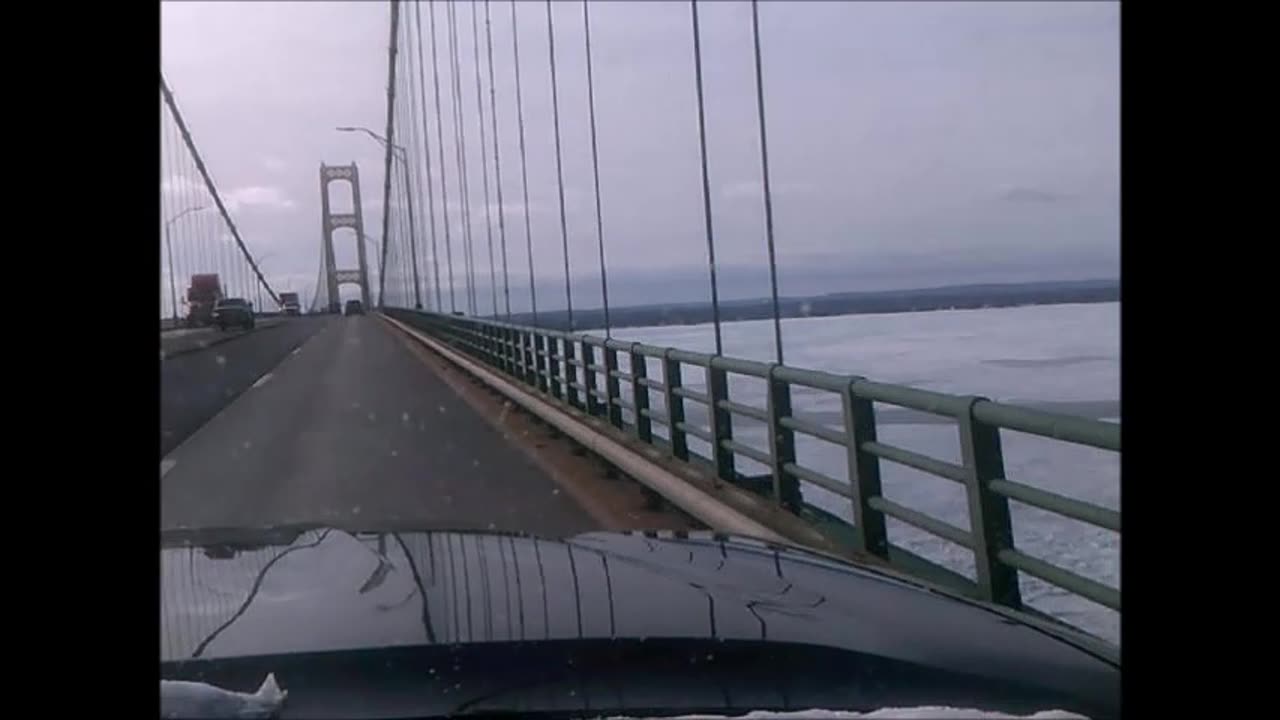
(552,378)
(522,350)
(989,520)
(570,373)
(675,405)
(528,345)
(589,377)
(640,395)
(508,352)
(508,343)
(611,389)
(541,363)
(782,443)
(864,472)
(721,422)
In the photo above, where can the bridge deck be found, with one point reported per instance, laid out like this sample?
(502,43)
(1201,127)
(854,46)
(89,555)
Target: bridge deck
(353,429)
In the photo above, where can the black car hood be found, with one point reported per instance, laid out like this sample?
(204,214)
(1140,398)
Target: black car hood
(331,590)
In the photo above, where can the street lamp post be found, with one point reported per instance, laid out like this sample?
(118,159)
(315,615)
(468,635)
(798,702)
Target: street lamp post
(168,243)
(403,157)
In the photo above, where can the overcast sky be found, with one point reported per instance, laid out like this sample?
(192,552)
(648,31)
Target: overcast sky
(909,144)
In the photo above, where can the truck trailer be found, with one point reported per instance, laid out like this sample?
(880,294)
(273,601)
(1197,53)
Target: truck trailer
(204,292)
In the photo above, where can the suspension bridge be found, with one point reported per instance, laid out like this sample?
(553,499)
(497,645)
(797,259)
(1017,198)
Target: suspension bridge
(476,394)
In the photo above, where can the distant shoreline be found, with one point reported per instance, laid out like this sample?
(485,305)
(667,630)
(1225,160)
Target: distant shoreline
(952,297)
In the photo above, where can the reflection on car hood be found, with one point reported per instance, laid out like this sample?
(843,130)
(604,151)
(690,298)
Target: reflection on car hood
(331,590)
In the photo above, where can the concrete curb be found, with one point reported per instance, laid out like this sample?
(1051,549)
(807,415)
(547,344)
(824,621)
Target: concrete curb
(677,490)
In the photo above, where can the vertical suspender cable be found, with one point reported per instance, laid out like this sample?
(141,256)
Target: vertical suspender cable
(405,240)
(408,182)
(768,196)
(444,188)
(555,114)
(165,213)
(426,149)
(706,178)
(524,165)
(166,192)
(183,226)
(187,250)
(398,187)
(484,162)
(460,110)
(595,167)
(387,169)
(412,146)
(497,159)
(460,135)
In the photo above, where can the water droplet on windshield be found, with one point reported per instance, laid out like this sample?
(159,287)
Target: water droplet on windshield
(372,417)
(555,491)
(220,359)
(404,417)
(248,444)
(394,453)
(355,510)
(441,409)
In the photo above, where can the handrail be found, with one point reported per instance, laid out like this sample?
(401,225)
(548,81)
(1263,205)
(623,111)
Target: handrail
(508,348)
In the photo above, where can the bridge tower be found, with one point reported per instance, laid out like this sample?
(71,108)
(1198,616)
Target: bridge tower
(330,222)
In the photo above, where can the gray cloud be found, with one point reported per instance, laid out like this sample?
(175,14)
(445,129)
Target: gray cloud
(1031,195)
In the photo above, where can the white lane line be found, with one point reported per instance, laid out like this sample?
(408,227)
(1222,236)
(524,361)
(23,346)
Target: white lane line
(166,465)
(262,380)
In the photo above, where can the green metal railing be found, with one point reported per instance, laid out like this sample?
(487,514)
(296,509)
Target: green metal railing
(565,367)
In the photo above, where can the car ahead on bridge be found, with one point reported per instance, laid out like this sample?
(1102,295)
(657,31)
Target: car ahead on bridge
(353,307)
(233,312)
(406,624)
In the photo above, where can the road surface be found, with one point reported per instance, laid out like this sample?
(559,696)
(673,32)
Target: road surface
(353,429)
(197,384)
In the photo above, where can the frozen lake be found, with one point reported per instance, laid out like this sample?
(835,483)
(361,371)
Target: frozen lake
(1064,358)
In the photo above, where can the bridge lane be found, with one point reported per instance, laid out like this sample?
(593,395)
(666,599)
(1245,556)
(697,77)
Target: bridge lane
(197,383)
(352,429)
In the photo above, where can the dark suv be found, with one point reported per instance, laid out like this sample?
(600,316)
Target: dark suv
(353,307)
(233,312)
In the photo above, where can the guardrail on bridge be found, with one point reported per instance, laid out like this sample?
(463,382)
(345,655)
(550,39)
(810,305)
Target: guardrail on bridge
(564,368)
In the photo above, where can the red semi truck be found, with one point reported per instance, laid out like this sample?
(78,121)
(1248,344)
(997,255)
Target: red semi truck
(289,303)
(205,290)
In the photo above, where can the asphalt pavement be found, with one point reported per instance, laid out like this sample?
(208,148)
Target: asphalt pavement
(196,384)
(353,429)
